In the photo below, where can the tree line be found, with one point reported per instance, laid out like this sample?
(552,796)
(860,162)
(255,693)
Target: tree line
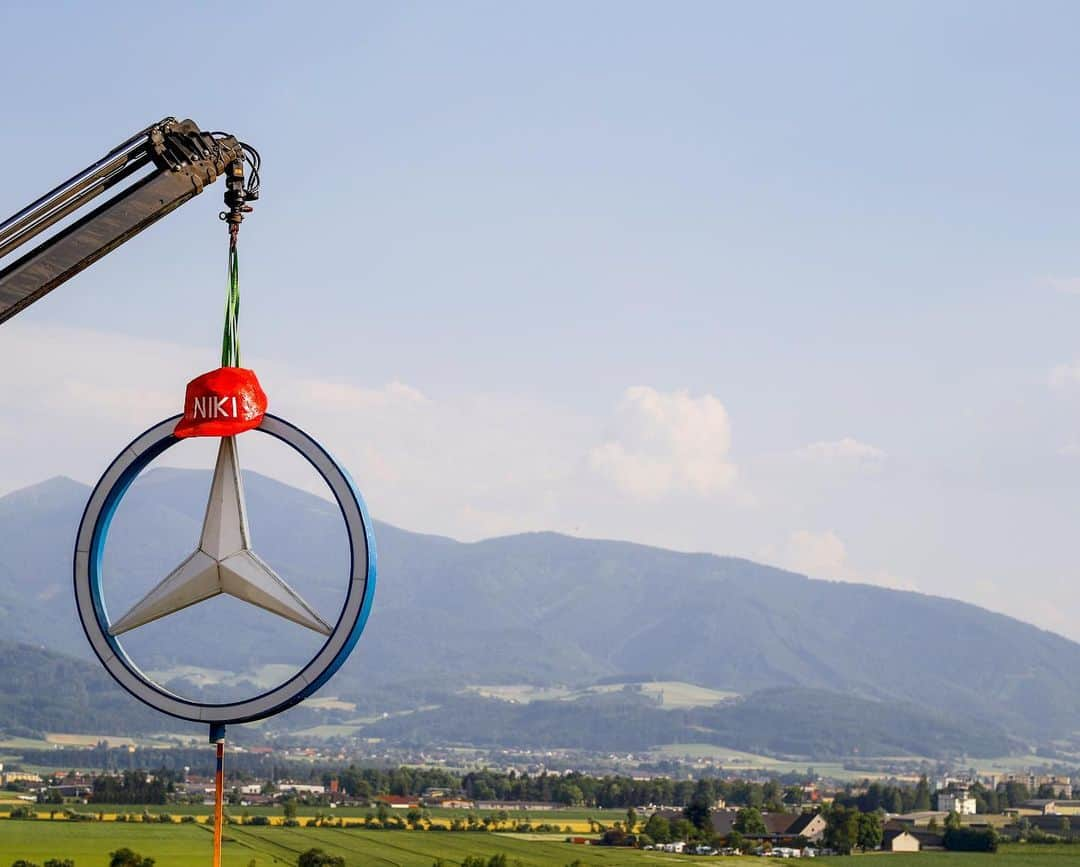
(132,787)
(613,791)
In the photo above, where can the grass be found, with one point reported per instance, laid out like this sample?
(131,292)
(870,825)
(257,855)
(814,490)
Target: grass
(738,761)
(676,694)
(576,819)
(1016,855)
(55,740)
(68,740)
(89,844)
(326,731)
(24,744)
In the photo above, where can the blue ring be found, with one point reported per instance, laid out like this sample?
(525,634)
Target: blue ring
(99,536)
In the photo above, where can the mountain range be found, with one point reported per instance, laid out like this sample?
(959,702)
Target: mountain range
(543,609)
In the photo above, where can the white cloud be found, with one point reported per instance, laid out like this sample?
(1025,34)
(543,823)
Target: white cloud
(820,554)
(463,464)
(1065,285)
(846,449)
(667,443)
(352,397)
(1065,375)
(824,555)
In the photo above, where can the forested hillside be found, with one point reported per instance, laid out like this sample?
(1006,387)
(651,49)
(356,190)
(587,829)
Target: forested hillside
(794,722)
(543,609)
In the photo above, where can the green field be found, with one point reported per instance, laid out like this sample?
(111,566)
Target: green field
(88,844)
(737,760)
(554,817)
(63,739)
(1009,856)
(675,693)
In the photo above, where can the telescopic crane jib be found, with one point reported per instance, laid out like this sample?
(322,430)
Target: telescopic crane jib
(157,170)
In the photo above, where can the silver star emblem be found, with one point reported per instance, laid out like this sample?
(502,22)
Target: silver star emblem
(223,562)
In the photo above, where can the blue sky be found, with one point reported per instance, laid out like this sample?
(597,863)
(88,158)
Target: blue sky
(797,282)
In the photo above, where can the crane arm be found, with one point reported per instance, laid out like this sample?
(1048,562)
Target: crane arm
(148,176)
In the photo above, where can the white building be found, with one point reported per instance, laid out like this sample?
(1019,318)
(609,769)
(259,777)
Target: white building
(956,801)
(301,789)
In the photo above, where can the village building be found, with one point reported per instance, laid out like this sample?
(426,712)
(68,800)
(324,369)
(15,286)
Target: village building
(1043,806)
(958,800)
(899,840)
(301,788)
(527,806)
(399,802)
(779,827)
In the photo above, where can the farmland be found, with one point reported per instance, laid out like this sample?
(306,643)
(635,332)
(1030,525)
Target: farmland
(573,821)
(669,694)
(560,817)
(88,844)
(173,845)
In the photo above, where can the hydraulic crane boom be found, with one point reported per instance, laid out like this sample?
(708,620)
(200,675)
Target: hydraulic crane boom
(163,167)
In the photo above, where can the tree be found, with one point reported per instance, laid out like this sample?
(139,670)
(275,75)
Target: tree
(842,829)
(659,828)
(288,807)
(318,858)
(699,812)
(56,862)
(971,840)
(631,819)
(569,794)
(613,837)
(870,831)
(1016,793)
(414,817)
(952,820)
(126,858)
(922,795)
(735,840)
(748,821)
(681,829)
(22,863)
(771,794)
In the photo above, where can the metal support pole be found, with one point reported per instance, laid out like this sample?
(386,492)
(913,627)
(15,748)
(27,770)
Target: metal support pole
(217,736)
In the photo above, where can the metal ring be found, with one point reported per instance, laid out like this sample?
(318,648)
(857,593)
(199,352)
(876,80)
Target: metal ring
(90,548)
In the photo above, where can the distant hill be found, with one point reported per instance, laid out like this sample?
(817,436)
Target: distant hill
(788,721)
(545,609)
(49,692)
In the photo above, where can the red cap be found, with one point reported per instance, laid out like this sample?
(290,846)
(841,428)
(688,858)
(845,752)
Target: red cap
(222,403)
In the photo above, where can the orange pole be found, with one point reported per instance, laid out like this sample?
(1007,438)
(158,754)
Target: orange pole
(219,794)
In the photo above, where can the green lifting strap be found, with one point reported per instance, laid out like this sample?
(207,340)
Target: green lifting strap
(230,340)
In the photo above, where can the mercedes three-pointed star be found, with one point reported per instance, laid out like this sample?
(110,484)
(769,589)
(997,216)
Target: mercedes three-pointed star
(223,562)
